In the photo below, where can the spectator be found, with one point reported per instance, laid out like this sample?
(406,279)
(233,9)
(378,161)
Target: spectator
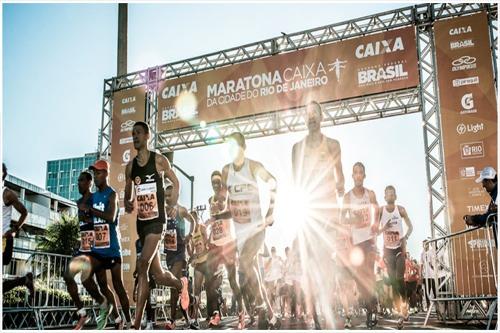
(488,178)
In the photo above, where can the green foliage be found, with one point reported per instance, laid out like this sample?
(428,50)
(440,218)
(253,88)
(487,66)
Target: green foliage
(17,296)
(61,237)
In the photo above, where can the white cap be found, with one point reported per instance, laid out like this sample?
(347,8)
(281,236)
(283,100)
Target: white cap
(486,173)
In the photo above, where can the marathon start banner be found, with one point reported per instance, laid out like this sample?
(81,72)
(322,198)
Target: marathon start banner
(469,130)
(129,106)
(355,67)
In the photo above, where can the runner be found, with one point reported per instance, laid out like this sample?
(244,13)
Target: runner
(144,177)
(361,211)
(286,290)
(9,232)
(107,249)
(198,258)
(82,262)
(174,246)
(222,244)
(391,224)
(240,179)
(317,172)
(273,273)
(428,274)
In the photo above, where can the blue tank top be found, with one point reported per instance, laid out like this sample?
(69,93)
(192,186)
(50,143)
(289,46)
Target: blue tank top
(175,234)
(107,243)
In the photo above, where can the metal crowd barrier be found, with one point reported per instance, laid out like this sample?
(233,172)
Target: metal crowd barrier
(465,274)
(52,307)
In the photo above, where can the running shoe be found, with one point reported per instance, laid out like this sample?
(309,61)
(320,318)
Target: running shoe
(81,322)
(241,320)
(102,318)
(170,325)
(149,325)
(119,324)
(194,324)
(400,323)
(184,295)
(215,320)
(347,322)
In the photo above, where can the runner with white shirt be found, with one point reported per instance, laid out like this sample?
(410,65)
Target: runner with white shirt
(222,251)
(391,224)
(273,273)
(240,179)
(360,211)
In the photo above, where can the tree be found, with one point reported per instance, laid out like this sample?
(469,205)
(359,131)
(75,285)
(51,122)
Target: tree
(61,237)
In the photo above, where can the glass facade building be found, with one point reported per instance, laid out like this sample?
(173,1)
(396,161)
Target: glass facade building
(44,208)
(62,175)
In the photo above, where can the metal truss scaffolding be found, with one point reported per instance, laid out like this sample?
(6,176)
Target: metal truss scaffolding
(422,99)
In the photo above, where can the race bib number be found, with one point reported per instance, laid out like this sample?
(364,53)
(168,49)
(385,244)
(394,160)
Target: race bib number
(364,217)
(86,240)
(101,233)
(240,211)
(391,238)
(147,202)
(220,229)
(170,240)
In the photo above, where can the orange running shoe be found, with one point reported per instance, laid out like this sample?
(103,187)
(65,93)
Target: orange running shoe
(215,320)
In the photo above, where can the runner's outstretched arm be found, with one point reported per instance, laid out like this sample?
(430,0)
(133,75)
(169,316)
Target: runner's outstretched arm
(260,171)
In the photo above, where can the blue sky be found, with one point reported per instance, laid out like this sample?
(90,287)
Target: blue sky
(56,56)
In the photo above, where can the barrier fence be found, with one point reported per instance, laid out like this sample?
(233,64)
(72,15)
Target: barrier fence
(52,306)
(465,289)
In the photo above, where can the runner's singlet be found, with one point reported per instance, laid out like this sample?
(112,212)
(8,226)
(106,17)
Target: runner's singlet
(275,269)
(315,170)
(244,202)
(6,214)
(222,229)
(106,235)
(361,231)
(6,219)
(86,229)
(149,191)
(175,234)
(394,232)
(200,246)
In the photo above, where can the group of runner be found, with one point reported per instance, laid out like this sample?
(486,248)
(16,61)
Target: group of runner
(233,237)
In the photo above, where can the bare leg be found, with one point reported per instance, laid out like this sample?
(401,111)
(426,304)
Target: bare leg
(102,280)
(150,260)
(174,293)
(116,275)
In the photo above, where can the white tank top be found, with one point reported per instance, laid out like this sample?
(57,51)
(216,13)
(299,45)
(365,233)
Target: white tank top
(394,232)
(244,200)
(222,229)
(316,169)
(6,215)
(361,231)
(275,269)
